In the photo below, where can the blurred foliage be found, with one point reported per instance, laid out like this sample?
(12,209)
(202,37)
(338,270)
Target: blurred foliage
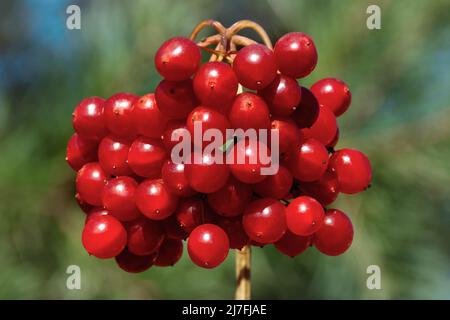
(400,113)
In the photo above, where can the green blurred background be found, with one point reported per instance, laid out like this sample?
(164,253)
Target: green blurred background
(400,117)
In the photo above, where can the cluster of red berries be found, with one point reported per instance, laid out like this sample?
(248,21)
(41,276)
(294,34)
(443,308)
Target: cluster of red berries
(140,204)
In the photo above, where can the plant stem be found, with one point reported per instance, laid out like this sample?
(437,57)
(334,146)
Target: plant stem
(243,268)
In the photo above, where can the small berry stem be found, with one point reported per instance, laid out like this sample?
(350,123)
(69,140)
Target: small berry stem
(248,24)
(243,267)
(205,23)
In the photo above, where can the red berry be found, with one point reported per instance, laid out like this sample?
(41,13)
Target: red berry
(120,114)
(88,119)
(215,84)
(235,231)
(118,198)
(324,129)
(133,263)
(80,151)
(90,182)
(104,237)
(255,66)
(288,133)
(208,246)
(209,119)
(207,176)
(336,234)
(150,121)
(173,229)
(178,59)
(249,111)
(335,140)
(304,216)
(295,54)
(307,111)
(325,190)
(96,212)
(176,99)
(175,179)
(169,253)
(264,220)
(86,207)
(353,170)
(334,94)
(146,157)
(144,236)
(177,128)
(282,95)
(292,245)
(308,161)
(154,199)
(191,213)
(275,186)
(231,199)
(113,155)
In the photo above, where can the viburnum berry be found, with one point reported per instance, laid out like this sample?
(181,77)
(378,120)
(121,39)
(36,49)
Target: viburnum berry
(113,155)
(178,59)
(249,111)
(295,54)
(292,245)
(118,198)
(90,182)
(353,170)
(304,216)
(176,99)
(80,151)
(264,220)
(133,263)
(208,118)
(308,161)
(150,121)
(95,212)
(175,128)
(325,190)
(175,179)
(191,213)
(288,135)
(235,231)
(169,253)
(88,119)
(104,236)
(307,111)
(275,186)
(154,200)
(86,207)
(120,114)
(173,229)
(208,246)
(282,95)
(323,129)
(144,236)
(146,157)
(334,94)
(336,234)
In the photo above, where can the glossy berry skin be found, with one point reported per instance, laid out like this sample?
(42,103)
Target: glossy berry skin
(235,231)
(104,237)
(88,119)
(191,213)
(336,234)
(150,121)
(333,93)
(177,128)
(169,253)
(146,157)
(133,263)
(335,140)
(307,111)
(144,236)
(80,151)
(209,119)
(255,66)
(231,199)
(215,84)
(175,179)
(249,111)
(96,212)
(304,216)
(208,246)
(264,220)
(177,59)
(325,190)
(287,131)
(120,114)
(308,161)
(113,155)
(292,245)
(176,99)
(323,129)
(154,200)
(295,54)
(275,186)
(206,176)
(89,182)
(86,207)
(282,95)
(173,229)
(118,198)
(353,170)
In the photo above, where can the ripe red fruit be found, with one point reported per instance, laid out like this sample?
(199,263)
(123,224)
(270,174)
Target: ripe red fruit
(154,199)
(175,179)
(282,95)
(208,246)
(176,99)
(334,94)
(308,161)
(335,140)
(96,212)
(169,253)
(307,111)
(255,66)
(90,182)
(292,245)
(264,220)
(133,263)
(249,111)
(231,199)
(209,119)
(304,216)
(120,114)
(173,229)
(353,170)
(144,236)
(118,198)
(178,59)
(86,207)
(80,151)
(325,190)
(288,133)
(104,237)
(336,234)
(176,128)
(88,119)
(275,186)
(150,121)
(324,129)
(207,176)
(146,157)
(295,54)
(113,155)
(235,231)
(215,84)
(191,213)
